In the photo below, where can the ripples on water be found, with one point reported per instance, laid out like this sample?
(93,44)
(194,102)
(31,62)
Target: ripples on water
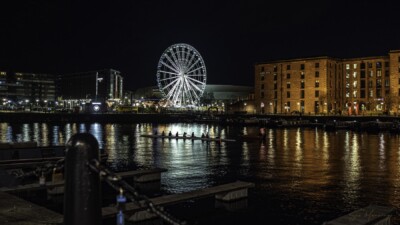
(302,176)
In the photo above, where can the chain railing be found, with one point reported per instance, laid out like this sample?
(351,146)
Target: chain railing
(84,160)
(121,186)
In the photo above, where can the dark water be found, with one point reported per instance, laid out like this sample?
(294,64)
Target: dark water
(302,176)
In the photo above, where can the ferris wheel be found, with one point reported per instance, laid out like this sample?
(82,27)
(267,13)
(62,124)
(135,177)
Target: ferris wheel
(181,75)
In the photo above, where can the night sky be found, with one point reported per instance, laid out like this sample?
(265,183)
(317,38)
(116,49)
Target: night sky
(62,37)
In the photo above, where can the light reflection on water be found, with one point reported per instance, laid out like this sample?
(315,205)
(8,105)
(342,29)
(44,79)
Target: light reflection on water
(309,171)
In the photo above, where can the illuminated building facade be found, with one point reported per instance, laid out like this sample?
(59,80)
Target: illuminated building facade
(99,85)
(329,85)
(22,88)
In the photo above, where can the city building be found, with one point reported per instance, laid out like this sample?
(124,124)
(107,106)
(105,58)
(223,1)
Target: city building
(93,86)
(26,89)
(329,85)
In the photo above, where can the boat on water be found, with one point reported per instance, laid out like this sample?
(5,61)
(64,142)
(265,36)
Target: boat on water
(187,138)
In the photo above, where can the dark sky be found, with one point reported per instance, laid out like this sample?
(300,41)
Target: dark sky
(130,35)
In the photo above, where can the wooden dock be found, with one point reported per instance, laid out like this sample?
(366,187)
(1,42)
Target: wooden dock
(369,215)
(188,138)
(16,211)
(225,192)
(148,175)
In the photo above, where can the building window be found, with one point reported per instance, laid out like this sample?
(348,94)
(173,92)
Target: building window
(371,73)
(386,73)
(378,73)
(288,76)
(378,65)
(399,59)
(362,74)
(355,66)
(302,75)
(287,67)
(316,65)
(317,83)
(275,85)
(362,84)
(355,74)
(378,93)
(262,77)
(275,68)
(288,85)
(275,76)
(362,65)
(355,84)
(302,94)
(371,93)
(316,73)
(386,64)
(275,94)
(347,66)
(262,86)
(316,94)
(369,65)
(387,83)
(370,83)
(302,84)
(362,94)
(302,67)
(288,94)
(262,94)
(378,83)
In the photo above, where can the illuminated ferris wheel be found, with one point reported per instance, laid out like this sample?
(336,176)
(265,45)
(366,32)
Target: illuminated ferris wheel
(181,75)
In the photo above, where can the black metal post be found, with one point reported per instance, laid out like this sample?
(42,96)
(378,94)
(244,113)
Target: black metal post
(82,199)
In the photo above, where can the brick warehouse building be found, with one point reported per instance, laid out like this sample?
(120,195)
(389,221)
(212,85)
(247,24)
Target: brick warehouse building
(329,85)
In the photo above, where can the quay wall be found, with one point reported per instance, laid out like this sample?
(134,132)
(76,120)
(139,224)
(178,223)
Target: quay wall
(26,117)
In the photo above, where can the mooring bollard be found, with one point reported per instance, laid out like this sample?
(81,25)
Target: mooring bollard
(82,199)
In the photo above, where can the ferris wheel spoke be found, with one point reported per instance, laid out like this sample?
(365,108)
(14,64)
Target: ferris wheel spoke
(190,91)
(197,81)
(192,65)
(187,57)
(196,75)
(175,59)
(195,70)
(172,90)
(173,69)
(190,61)
(169,78)
(195,86)
(162,71)
(170,61)
(187,91)
(172,83)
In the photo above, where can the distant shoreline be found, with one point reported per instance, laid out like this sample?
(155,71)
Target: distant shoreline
(23,117)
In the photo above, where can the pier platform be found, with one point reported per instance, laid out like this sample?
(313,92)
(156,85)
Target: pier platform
(16,211)
(226,192)
(370,215)
(146,175)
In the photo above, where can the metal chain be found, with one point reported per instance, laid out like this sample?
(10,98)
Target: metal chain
(45,169)
(140,200)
